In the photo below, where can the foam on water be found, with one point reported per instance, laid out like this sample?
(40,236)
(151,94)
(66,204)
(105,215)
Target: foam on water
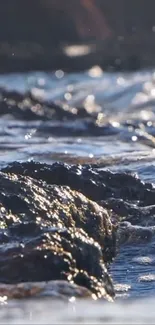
(52,312)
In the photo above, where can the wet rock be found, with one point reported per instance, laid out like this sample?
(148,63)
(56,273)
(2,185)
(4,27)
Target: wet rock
(27,107)
(61,120)
(126,197)
(132,234)
(52,232)
(96,184)
(131,211)
(57,289)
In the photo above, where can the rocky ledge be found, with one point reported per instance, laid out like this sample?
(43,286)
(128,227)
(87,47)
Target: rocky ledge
(52,232)
(63,222)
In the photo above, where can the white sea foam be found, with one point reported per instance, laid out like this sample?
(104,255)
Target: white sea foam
(50,312)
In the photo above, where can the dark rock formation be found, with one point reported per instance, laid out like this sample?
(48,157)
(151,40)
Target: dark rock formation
(62,222)
(96,184)
(52,232)
(124,195)
(29,108)
(56,289)
(134,234)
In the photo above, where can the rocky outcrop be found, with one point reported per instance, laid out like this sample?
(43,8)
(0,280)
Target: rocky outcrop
(52,232)
(63,222)
(56,289)
(97,184)
(28,107)
(126,197)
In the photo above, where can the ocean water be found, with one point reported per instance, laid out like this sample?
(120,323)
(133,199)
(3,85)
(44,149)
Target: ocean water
(123,108)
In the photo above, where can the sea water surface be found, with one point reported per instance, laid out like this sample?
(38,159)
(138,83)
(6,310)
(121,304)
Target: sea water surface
(123,108)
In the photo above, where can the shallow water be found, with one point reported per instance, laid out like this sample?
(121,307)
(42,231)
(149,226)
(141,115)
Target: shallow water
(123,108)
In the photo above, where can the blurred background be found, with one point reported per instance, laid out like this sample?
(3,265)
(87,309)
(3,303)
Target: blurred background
(51,34)
(77,85)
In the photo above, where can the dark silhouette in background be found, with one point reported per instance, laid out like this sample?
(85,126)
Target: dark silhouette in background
(119,34)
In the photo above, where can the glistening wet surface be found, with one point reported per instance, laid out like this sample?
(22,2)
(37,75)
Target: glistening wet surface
(98,119)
